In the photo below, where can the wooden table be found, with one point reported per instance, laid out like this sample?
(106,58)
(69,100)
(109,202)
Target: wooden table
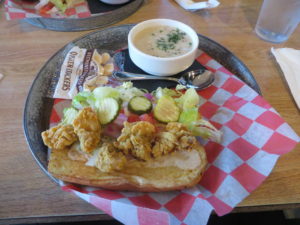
(27,194)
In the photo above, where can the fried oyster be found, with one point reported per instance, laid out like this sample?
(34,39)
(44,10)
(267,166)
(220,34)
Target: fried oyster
(136,139)
(88,129)
(164,144)
(184,138)
(141,140)
(109,159)
(59,137)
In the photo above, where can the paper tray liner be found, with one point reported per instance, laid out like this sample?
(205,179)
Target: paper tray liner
(254,136)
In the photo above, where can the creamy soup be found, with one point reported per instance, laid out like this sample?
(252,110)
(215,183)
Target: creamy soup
(163,41)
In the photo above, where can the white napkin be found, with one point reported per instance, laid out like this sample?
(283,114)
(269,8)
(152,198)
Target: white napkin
(289,61)
(191,5)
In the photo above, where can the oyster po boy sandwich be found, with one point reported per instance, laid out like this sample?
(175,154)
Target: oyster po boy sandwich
(123,139)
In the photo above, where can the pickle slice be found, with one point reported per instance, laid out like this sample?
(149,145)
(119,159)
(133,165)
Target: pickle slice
(166,110)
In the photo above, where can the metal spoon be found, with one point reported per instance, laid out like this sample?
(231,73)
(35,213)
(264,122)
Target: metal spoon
(198,79)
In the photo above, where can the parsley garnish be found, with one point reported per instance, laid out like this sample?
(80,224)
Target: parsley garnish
(175,36)
(168,43)
(163,45)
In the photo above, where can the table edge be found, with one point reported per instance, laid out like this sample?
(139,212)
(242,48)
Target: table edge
(102,216)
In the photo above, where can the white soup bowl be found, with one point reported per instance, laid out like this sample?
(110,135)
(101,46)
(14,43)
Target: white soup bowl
(162,66)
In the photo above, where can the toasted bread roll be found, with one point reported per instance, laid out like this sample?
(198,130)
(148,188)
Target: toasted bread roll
(175,171)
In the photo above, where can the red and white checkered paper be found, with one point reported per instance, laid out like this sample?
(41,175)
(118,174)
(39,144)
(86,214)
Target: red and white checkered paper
(254,137)
(19,9)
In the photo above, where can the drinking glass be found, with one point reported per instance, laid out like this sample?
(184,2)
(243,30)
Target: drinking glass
(277,20)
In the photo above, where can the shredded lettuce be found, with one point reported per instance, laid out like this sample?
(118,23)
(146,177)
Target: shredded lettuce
(121,93)
(189,116)
(180,87)
(127,85)
(83,99)
(127,91)
(198,126)
(69,115)
(206,130)
(60,5)
(159,92)
(189,100)
(106,92)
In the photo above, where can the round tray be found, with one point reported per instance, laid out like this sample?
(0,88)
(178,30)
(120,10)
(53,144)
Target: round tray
(38,106)
(102,15)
